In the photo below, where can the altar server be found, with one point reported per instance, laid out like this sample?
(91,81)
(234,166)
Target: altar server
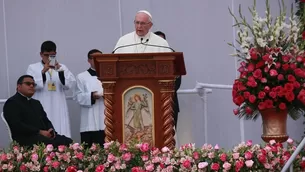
(89,94)
(52,79)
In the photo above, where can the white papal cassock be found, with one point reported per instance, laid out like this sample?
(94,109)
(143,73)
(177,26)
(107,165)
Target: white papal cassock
(146,47)
(92,113)
(54,102)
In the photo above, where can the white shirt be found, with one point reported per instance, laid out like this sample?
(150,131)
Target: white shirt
(146,47)
(91,115)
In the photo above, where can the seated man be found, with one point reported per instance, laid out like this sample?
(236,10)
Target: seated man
(27,119)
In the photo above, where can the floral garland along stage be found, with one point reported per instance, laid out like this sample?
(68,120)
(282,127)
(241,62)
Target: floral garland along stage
(272,68)
(140,157)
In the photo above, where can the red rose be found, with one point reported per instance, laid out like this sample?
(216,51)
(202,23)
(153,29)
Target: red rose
(248,110)
(267,89)
(303,33)
(23,168)
(252,98)
(186,164)
(280,77)
(261,95)
(269,104)
(277,65)
(262,158)
(261,106)
(272,94)
(299,58)
(235,111)
(251,67)
(290,96)
(264,80)
(215,166)
(71,169)
(246,94)
(299,72)
(257,74)
(302,163)
(293,66)
(285,67)
(296,84)
(289,87)
(266,57)
(252,84)
(282,106)
(238,165)
(45,169)
(241,69)
(291,78)
(253,55)
(260,64)
(285,58)
(248,155)
(223,157)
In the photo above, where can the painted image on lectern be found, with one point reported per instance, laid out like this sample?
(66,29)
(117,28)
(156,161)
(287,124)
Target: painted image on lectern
(138,115)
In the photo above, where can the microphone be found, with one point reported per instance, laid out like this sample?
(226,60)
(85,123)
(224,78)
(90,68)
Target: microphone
(160,46)
(129,45)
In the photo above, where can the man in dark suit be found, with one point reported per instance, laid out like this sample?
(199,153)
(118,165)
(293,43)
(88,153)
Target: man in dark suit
(177,86)
(27,119)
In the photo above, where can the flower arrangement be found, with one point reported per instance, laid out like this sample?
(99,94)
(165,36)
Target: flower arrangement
(141,157)
(272,64)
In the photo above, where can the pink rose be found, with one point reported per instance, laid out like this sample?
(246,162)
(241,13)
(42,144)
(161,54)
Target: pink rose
(211,155)
(196,155)
(144,158)
(110,158)
(126,156)
(3,157)
(123,147)
(249,143)
(61,148)
(249,163)
(49,148)
(264,80)
(273,72)
(272,142)
(75,146)
(34,157)
(235,155)
(165,149)
(80,155)
(150,167)
(226,166)
(202,165)
(144,147)
(290,141)
(55,164)
(107,145)
(248,155)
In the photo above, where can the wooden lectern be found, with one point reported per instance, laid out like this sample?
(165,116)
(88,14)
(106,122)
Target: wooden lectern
(138,95)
